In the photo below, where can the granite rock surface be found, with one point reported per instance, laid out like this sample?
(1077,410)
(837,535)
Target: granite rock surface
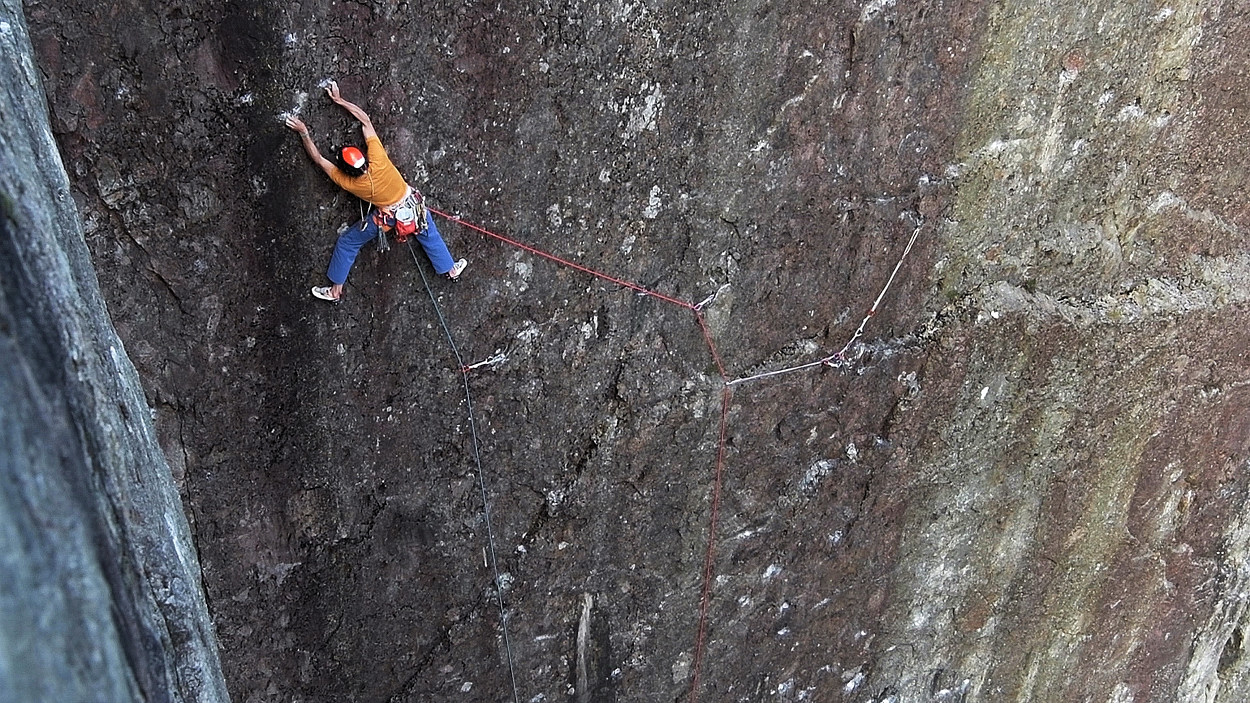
(1027,482)
(100,592)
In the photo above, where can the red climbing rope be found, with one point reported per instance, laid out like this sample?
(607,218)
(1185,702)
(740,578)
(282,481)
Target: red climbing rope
(565,262)
(705,598)
(707,337)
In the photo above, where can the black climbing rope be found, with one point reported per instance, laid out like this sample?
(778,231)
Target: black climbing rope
(481,475)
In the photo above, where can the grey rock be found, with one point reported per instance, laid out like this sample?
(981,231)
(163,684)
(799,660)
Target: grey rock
(100,593)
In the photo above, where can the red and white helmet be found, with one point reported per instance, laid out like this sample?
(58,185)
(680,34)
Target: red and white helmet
(352,157)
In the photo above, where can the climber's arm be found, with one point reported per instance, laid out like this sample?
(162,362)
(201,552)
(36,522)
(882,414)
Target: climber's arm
(310,148)
(365,124)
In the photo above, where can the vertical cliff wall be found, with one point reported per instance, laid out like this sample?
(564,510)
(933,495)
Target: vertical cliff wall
(100,595)
(1028,485)
(1083,496)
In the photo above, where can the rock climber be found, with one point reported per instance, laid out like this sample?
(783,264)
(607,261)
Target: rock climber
(371,176)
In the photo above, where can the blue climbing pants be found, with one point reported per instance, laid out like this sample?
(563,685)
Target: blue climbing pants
(435,249)
(363,232)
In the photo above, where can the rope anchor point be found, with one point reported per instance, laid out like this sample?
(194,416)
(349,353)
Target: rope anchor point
(710,299)
(495,360)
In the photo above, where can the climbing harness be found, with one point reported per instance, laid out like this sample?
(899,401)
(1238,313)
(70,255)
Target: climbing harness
(408,215)
(405,218)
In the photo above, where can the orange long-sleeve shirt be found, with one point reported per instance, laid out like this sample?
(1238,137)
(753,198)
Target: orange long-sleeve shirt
(381,184)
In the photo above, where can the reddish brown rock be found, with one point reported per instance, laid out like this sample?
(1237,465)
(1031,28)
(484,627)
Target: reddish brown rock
(1029,484)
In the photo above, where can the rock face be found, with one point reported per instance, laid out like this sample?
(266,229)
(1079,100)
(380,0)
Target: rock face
(1028,483)
(100,594)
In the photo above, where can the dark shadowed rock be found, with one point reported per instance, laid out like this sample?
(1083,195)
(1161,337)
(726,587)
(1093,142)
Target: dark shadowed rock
(1029,484)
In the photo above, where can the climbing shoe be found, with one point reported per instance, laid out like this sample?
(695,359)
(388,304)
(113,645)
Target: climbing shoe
(323,292)
(457,268)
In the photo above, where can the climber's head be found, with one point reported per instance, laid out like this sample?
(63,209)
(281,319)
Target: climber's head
(352,161)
